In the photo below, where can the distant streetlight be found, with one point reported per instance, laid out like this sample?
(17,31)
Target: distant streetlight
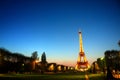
(101,58)
(23,64)
(36,61)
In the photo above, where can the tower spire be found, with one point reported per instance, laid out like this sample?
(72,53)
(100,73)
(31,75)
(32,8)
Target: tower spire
(81,50)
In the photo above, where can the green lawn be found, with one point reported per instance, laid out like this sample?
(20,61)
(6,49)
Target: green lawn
(62,76)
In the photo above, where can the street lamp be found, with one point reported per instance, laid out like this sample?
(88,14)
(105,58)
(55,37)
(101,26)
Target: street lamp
(101,58)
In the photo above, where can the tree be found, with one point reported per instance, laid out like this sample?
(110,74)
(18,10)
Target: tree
(112,59)
(34,55)
(15,61)
(19,61)
(4,60)
(119,43)
(43,63)
(101,63)
(94,67)
(34,58)
(43,58)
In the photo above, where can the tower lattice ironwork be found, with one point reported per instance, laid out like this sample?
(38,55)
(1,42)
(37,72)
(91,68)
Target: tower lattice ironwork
(82,63)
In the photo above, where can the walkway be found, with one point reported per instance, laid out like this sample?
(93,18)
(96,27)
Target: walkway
(86,77)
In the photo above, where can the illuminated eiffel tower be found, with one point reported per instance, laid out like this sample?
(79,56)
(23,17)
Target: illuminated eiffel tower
(82,63)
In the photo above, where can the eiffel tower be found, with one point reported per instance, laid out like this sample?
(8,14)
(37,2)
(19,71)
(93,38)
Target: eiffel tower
(82,63)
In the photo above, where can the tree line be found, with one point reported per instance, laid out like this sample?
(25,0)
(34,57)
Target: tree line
(18,63)
(111,60)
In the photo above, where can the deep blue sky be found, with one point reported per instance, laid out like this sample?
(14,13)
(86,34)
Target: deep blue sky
(52,26)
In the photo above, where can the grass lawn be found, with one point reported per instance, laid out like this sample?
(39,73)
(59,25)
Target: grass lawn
(62,76)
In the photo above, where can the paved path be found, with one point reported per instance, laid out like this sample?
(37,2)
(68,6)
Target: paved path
(86,77)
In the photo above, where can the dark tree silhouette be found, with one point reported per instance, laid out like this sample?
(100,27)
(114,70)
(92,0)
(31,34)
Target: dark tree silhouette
(109,74)
(4,60)
(16,62)
(43,63)
(101,63)
(94,70)
(43,58)
(34,55)
(119,43)
(112,59)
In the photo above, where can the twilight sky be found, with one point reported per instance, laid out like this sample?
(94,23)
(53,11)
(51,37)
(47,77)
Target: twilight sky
(52,26)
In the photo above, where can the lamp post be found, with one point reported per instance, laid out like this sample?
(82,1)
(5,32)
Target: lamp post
(102,62)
